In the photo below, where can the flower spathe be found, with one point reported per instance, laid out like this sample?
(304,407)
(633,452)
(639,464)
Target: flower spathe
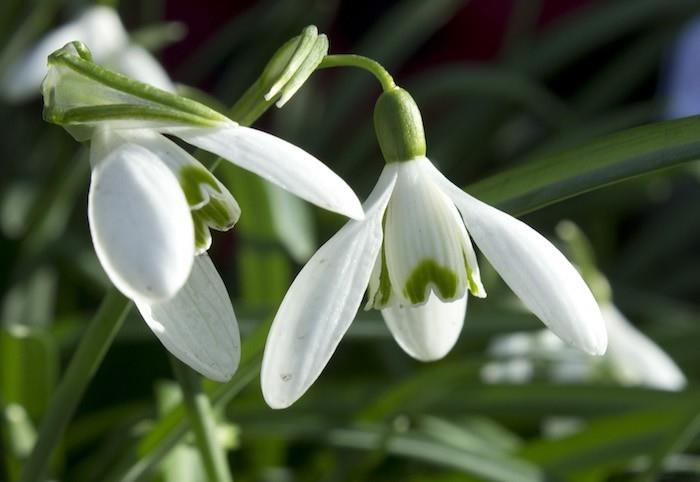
(413,255)
(151,204)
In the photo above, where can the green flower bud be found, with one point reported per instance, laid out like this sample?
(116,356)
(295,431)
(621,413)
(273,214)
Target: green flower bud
(285,73)
(399,126)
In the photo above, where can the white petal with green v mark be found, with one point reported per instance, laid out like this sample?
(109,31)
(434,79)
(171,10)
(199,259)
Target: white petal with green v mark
(198,324)
(277,161)
(544,280)
(429,331)
(424,240)
(139,220)
(211,204)
(322,302)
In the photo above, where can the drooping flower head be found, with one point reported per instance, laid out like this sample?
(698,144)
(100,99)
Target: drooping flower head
(151,204)
(413,255)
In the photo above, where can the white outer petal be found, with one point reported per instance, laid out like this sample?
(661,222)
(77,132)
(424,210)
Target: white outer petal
(322,302)
(140,223)
(635,358)
(427,332)
(99,28)
(136,62)
(544,280)
(198,324)
(277,161)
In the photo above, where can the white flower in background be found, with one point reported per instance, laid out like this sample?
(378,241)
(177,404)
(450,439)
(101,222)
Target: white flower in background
(681,88)
(413,255)
(635,359)
(101,29)
(151,204)
(631,358)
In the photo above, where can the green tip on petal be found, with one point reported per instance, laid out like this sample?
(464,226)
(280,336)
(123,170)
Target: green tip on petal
(428,274)
(210,205)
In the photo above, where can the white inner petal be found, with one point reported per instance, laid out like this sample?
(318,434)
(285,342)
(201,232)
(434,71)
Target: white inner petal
(424,239)
(427,332)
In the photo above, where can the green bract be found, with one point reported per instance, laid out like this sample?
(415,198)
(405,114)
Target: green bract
(79,93)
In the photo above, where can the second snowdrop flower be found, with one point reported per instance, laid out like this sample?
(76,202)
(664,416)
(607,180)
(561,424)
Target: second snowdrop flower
(151,204)
(413,255)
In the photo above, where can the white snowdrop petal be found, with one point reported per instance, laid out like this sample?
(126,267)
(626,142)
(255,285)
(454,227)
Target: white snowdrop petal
(424,239)
(544,280)
(322,302)
(195,179)
(99,28)
(427,332)
(198,324)
(140,223)
(635,359)
(277,161)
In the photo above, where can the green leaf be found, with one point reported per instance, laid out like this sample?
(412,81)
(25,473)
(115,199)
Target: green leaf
(614,158)
(610,442)
(28,368)
(415,446)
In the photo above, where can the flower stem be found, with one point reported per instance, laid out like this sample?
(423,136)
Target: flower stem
(91,350)
(201,418)
(361,62)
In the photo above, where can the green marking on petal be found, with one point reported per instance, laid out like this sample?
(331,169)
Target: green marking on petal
(207,203)
(194,181)
(428,272)
(216,215)
(474,281)
(380,295)
(384,290)
(202,237)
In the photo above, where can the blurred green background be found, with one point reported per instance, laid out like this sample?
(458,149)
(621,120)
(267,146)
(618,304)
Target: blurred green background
(502,85)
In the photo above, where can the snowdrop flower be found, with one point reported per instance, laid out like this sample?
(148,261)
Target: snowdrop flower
(634,359)
(101,29)
(413,255)
(682,87)
(151,204)
(631,359)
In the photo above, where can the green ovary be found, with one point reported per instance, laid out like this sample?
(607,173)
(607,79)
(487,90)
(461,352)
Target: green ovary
(428,272)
